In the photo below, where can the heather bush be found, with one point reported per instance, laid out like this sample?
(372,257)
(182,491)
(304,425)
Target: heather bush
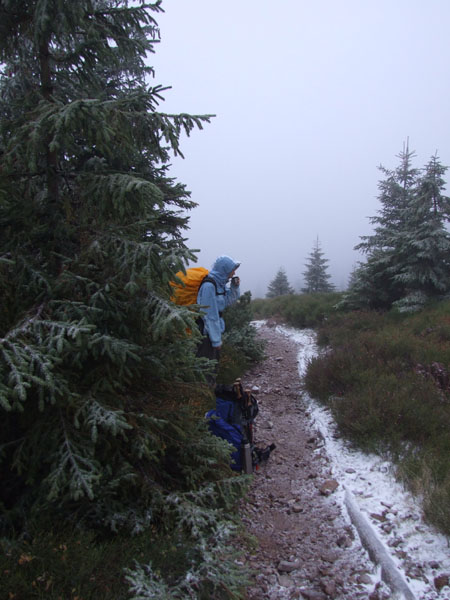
(386,377)
(298,310)
(389,410)
(436,502)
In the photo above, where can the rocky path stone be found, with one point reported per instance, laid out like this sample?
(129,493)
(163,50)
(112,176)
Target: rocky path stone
(306,548)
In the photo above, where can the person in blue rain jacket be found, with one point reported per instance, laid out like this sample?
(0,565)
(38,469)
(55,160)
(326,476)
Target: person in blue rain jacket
(214,299)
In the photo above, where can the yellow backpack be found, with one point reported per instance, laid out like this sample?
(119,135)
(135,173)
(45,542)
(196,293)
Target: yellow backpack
(185,292)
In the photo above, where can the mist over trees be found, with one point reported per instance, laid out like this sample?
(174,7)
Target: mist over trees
(279,286)
(316,274)
(408,255)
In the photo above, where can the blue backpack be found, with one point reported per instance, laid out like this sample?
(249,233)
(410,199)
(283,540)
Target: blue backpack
(232,420)
(231,433)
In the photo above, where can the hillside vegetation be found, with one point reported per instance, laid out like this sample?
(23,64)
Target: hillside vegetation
(386,378)
(298,310)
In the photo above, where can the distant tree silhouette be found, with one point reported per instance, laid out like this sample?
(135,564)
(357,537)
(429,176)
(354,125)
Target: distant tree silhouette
(279,286)
(316,276)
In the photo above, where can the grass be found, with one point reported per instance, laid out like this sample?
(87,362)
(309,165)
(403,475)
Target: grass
(386,377)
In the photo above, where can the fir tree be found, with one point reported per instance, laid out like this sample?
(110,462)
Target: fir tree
(279,286)
(92,233)
(423,246)
(407,256)
(316,275)
(391,222)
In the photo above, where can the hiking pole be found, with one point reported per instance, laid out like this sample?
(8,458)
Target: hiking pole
(247,463)
(237,388)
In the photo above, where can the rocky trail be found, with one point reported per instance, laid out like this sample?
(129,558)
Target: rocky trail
(306,545)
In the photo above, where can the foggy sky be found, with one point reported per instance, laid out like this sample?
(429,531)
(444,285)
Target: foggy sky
(310,97)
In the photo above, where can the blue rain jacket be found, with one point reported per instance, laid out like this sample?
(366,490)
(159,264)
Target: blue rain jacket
(214,304)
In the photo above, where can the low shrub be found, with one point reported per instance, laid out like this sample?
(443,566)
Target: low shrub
(330,374)
(386,378)
(240,338)
(298,310)
(390,411)
(233,364)
(340,325)
(191,557)
(161,535)
(436,502)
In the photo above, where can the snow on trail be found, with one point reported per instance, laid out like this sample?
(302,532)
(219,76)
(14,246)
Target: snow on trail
(419,552)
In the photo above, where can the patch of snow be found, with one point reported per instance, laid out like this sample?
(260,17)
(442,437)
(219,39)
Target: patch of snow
(419,552)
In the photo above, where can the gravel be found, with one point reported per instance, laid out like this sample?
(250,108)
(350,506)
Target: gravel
(306,546)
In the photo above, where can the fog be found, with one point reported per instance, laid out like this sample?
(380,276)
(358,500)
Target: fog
(310,98)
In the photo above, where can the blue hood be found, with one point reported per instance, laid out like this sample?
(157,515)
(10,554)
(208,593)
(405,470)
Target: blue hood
(222,268)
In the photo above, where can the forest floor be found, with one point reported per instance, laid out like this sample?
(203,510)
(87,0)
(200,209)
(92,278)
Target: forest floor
(306,547)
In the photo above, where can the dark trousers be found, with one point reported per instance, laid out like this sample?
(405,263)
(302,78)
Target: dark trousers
(206,350)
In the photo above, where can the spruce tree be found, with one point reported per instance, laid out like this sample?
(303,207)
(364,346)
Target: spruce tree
(374,284)
(279,286)
(91,234)
(316,275)
(407,256)
(423,246)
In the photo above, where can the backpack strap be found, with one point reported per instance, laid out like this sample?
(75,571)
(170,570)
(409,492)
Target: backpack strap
(210,279)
